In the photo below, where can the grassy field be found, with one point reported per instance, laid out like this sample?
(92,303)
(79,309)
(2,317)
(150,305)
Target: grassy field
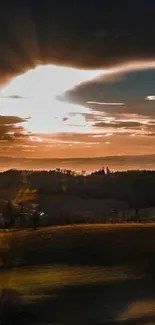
(85,274)
(117,244)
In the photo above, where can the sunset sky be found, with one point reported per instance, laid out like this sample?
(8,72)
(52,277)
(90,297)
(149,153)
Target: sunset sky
(77,84)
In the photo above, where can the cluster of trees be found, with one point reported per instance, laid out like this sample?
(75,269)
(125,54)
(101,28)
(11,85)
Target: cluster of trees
(10,214)
(136,188)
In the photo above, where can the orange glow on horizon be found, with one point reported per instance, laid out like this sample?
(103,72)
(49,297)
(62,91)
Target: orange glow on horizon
(34,95)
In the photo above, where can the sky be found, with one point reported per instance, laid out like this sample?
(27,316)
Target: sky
(77,84)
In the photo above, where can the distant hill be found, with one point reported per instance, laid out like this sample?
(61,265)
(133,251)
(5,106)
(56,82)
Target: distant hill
(60,193)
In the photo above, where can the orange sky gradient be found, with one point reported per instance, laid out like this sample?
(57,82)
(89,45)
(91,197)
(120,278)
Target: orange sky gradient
(38,121)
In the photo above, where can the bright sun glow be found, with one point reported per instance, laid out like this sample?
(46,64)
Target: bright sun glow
(34,94)
(37,92)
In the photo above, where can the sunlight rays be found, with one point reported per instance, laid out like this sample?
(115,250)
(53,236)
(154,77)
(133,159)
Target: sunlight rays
(37,92)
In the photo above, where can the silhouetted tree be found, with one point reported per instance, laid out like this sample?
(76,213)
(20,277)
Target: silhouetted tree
(35,219)
(99,172)
(108,171)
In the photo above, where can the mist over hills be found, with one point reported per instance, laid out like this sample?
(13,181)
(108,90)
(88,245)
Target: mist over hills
(115,163)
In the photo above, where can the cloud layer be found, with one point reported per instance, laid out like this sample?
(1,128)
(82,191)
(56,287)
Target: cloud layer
(10,128)
(115,114)
(74,34)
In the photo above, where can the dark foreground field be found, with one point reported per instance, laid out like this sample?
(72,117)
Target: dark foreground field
(92,274)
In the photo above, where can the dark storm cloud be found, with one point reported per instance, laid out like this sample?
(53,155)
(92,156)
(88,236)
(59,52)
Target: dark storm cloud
(120,99)
(94,34)
(9,128)
(135,87)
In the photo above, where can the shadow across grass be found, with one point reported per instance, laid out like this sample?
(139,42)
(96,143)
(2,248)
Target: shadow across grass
(91,304)
(86,245)
(87,304)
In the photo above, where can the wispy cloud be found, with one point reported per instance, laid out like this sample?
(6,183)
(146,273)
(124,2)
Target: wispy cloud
(105,103)
(10,128)
(35,139)
(150,97)
(119,124)
(13,97)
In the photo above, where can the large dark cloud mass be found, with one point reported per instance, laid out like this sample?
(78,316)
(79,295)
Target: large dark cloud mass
(131,90)
(78,33)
